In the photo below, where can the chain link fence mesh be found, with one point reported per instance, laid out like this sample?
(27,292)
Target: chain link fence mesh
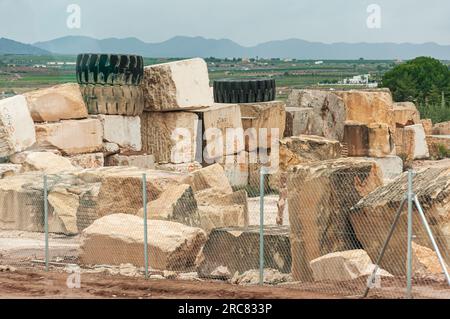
(322,230)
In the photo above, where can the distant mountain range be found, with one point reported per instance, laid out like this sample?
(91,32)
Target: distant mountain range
(198,46)
(8,46)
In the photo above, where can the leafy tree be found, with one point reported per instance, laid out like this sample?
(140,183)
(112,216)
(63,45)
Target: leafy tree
(421,80)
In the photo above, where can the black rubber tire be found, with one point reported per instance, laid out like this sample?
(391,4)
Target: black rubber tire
(244,91)
(125,100)
(113,69)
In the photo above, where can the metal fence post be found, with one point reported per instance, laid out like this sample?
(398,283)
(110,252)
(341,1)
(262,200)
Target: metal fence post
(46,222)
(261,226)
(410,235)
(144,202)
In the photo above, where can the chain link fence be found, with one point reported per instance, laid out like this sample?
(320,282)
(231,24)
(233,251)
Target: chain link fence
(318,228)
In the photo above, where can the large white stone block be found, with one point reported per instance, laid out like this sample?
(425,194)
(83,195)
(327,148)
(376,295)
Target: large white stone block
(16,126)
(122,130)
(177,85)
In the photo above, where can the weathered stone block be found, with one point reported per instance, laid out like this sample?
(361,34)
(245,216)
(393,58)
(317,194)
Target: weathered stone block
(237,249)
(373,140)
(176,86)
(16,126)
(119,239)
(139,161)
(71,137)
(124,131)
(61,102)
(320,196)
(406,113)
(170,136)
(260,120)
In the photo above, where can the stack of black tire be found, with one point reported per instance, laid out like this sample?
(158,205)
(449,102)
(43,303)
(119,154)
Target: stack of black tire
(244,90)
(110,83)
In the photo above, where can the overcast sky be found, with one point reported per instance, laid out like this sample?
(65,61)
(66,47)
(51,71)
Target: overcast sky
(247,22)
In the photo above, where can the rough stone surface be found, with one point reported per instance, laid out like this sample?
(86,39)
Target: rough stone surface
(373,140)
(425,261)
(16,126)
(259,119)
(420,145)
(326,119)
(121,187)
(441,128)
(176,85)
(406,113)
(320,196)
(223,131)
(236,168)
(119,239)
(239,250)
(23,203)
(47,162)
(373,216)
(176,204)
(344,266)
(9,170)
(140,161)
(185,168)
(124,131)
(368,106)
(427,126)
(252,277)
(298,121)
(222,210)
(307,148)
(211,177)
(171,136)
(391,166)
(71,137)
(61,102)
(93,160)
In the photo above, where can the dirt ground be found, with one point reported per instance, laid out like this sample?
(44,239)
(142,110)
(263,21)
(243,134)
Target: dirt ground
(29,283)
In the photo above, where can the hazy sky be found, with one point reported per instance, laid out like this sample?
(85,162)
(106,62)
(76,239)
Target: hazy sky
(247,22)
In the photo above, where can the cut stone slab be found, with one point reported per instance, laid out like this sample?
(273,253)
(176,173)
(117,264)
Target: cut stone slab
(259,120)
(236,168)
(171,136)
(222,130)
(47,162)
(119,239)
(124,131)
(391,167)
(441,128)
(211,177)
(320,196)
(420,145)
(140,161)
(427,126)
(176,204)
(326,119)
(307,148)
(373,140)
(71,137)
(237,249)
(344,266)
(299,121)
(373,216)
(93,160)
(176,86)
(16,126)
(406,113)
(23,203)
(121,187)
(368,106)
(9,170)
(218,210)
(61,102)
